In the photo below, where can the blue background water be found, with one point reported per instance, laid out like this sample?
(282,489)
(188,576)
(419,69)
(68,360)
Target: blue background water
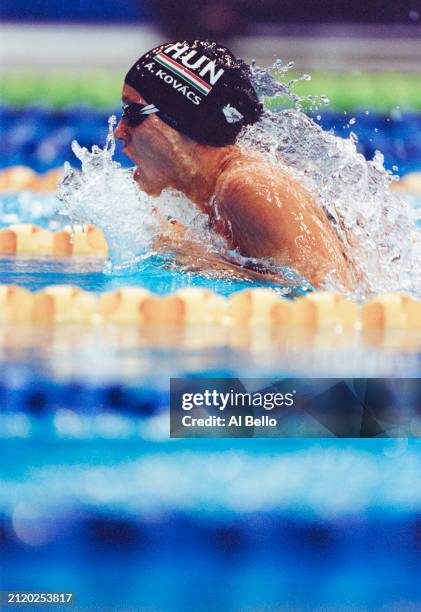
(228,524)
(40,137)
(125,11)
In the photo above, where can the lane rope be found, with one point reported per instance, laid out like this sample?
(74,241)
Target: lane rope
(195,306)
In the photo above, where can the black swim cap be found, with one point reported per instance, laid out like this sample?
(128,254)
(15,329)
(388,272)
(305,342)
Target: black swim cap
(200,89)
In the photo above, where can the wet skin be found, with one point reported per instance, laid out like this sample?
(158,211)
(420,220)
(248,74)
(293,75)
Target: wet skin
(260,210)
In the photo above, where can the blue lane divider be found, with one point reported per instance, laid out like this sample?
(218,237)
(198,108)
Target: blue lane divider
(40,137)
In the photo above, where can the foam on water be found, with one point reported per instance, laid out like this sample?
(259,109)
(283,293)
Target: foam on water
(377,227)
(105,194)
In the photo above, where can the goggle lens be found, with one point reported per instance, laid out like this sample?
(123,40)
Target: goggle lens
(135,113)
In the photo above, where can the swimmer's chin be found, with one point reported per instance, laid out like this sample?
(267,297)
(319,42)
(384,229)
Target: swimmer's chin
(144,185)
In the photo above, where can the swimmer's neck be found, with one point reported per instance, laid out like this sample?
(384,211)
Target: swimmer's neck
(205,166)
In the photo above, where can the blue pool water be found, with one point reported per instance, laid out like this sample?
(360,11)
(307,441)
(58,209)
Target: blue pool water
(95,498)
(229,524)
(40,137)
(156,274)
(159,274)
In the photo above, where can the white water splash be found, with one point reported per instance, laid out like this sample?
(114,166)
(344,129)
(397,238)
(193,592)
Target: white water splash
(377,227)
(106,195)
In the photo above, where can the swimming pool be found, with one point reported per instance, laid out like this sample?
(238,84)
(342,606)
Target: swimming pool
(91,479)
(131,354)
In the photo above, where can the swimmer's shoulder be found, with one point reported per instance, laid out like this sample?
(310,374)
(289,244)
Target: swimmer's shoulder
(251,179)
(246,164)
(242,174)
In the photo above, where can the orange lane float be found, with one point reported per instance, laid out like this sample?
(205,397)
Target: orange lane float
(391,311)
(17,178)
(194,305)
(31,240)
(410,183)
(26,239)
(64,304)
(48,182)
(22,178)
(185,307)
(259,309)
(16,304)
(325,309)
(87,240)
(127,305)
(315,310)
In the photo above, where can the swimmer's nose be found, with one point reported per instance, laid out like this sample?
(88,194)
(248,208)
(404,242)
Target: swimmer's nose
(121,130)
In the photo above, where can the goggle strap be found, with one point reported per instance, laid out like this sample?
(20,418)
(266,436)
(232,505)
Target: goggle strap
(150,108)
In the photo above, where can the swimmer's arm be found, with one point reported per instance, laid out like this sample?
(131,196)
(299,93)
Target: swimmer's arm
(172,239)
(194,257)
(250,212)
(270,215)
(191,256)
(172,232)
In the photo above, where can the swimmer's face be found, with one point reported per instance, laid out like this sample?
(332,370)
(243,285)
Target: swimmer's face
(150,145)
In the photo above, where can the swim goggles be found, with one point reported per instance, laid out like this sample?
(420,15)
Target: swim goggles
(135,113)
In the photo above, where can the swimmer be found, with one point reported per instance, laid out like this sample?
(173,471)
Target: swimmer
(184,106)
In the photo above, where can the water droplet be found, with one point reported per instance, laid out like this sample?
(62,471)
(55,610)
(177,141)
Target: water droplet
(352,121)
(414,15)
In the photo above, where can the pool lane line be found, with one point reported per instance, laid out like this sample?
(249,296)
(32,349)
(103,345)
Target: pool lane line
(195,307)
(22,178)
(27,239)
